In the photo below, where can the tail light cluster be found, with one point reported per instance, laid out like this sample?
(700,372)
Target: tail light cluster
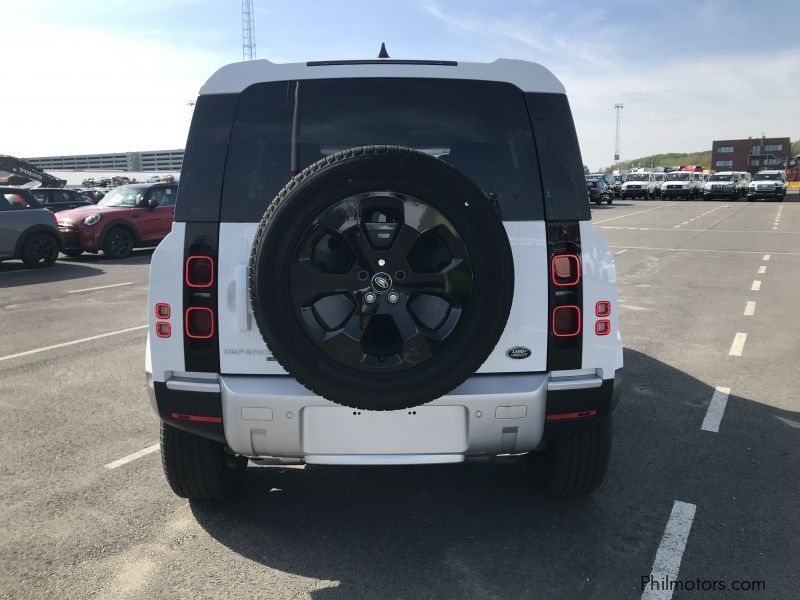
(199,275)
(565,272)
(603,325)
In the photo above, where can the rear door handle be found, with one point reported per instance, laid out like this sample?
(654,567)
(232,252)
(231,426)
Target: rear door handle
(242,305)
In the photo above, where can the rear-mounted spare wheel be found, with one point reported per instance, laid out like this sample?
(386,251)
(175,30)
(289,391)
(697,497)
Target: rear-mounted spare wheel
(381,278)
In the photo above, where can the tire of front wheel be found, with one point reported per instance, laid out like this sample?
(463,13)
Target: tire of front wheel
(197,468)
(575,464)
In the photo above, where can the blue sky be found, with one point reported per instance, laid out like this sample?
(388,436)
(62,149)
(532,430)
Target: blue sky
(121,71)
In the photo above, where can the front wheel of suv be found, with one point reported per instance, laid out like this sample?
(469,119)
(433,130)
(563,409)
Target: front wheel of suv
(575,464)
(197,468)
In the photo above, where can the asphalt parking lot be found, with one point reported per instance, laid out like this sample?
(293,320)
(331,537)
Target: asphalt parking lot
(703,483)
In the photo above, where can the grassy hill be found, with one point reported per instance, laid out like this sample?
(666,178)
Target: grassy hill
(672,159)
(669,159)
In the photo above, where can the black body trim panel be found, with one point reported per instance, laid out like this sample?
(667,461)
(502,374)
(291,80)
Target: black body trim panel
(201,355)
(201,404)
(602,399)
(563,353)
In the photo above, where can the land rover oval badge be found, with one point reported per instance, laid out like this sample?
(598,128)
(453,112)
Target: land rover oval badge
(518,352)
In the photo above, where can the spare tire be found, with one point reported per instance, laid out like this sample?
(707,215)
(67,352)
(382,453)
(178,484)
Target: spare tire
(381,278)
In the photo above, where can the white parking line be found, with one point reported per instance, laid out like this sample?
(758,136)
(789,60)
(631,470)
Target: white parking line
(100,287)
(750,308)
(716,409)
(633,213)
(756,286)
(620,252)
(670,552)
(738,344)
(73,342)
(703,250)
(762,269)
(131,457)
(766,257)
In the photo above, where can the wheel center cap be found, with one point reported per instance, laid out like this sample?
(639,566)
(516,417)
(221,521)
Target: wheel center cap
(381,282)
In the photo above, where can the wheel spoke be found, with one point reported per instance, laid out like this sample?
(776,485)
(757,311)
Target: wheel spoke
(344,344)
(403,244)
(416,341)
(308,283)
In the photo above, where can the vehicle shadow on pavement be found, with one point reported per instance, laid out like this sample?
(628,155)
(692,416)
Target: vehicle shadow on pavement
(139,257)
(605,206)
(478,530)
(16,274)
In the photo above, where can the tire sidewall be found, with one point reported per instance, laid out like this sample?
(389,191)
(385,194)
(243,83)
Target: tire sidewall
(428,180)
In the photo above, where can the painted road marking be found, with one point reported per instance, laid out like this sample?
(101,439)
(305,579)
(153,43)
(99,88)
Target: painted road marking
(100,287)
(750,308)
(622,228)
(670,551)
(704,250)
(131,457)
(738,344)
(633,213)
(72,343)
(756,286)
(762,269)
(716,409)
(620,252)
(766,257)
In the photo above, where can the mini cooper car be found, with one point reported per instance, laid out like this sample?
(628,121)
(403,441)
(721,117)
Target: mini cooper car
(27,230)
(383,262)
(128,217)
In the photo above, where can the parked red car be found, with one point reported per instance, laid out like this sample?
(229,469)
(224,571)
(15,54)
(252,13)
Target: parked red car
(128,217)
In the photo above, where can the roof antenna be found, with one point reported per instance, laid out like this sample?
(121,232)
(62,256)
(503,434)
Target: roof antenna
(383,53)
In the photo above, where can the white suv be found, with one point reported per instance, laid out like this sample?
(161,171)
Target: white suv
(373,263)
(681,184)
(767,184)
(639,185)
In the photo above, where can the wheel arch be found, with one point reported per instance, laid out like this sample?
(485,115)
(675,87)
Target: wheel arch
(37,228)
(119,223)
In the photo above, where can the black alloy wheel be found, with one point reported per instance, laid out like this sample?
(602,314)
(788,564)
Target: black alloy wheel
(40,250)
(381,278)
(118,243)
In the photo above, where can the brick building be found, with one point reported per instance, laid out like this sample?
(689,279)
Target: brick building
(752,154)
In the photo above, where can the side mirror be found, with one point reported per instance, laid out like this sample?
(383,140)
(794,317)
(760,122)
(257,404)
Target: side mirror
(152,203)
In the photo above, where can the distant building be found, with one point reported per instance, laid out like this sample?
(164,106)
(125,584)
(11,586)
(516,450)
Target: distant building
(752,154)
(152,160)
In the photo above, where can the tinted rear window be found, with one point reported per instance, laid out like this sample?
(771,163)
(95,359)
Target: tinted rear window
(481,128)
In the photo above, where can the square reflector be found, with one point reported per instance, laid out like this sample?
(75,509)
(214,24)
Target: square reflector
(163,329)
(199,323)
(602,308)
(602,327)
(199,271)
(162,311)
(566,321)
(565,269)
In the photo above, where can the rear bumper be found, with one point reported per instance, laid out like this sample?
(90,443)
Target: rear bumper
(487,415)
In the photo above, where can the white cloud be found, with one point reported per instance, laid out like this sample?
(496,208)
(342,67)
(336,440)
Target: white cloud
(75,90)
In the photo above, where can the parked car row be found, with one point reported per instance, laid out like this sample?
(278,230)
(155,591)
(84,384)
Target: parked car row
(128,217)
(695,185)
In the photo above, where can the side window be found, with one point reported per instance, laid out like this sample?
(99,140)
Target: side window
(168,198)
(156,194)
(15,201)
(62,196)
(41,196)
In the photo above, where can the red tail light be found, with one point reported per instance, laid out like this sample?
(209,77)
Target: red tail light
(602,327)
(162,311)
(594,189)
(566,269)
(199,271)
(163,329)
(566,321)
(199,323)
(602,308)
